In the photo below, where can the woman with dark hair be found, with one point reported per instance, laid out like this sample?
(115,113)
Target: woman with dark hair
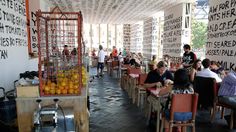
(181,86)
(195,68)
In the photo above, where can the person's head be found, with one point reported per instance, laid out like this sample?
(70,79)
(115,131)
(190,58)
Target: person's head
(206,63)
(114,47)
(161,67)
(181,78)
(154,57)
(214,65)
(197,64)
(166,57)
(100,47)
(187,48)
(65,46)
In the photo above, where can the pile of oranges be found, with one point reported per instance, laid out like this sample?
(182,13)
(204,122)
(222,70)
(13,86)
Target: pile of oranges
(67,83)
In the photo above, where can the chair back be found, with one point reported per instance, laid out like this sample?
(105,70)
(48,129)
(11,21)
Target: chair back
(133,71)
(206,88)
(141,79)
(184,103)
(114,63)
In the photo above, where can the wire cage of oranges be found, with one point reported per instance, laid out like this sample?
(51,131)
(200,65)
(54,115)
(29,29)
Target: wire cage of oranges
(60,52)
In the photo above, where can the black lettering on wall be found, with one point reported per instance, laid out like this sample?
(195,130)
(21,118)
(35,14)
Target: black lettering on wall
(221,28)
(12,26)
(3,54)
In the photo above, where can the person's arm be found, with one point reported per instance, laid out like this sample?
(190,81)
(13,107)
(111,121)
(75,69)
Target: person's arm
(165,90)
(192,74)
(150,85)
(231,79)
(218,79)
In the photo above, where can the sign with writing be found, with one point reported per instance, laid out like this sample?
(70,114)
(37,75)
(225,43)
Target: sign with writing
(12,27)
(34,5)
(176,29)
(221,42)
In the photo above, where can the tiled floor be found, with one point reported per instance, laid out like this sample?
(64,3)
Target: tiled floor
(112,110)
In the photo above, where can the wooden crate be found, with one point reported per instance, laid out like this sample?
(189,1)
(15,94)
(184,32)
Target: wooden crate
(27,91)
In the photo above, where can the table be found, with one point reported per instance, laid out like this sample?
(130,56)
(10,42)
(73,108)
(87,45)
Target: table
(27,106)
(155,103)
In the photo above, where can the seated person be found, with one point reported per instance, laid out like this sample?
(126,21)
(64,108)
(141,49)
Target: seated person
(157,77)
(216,67)
(133,60)
(228,87)
(195,68)
(206,72)
(227,91)
(181,86)
(152,64)
(140,57)
(127,60)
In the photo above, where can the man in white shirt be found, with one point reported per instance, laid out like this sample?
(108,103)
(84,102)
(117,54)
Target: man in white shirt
(101,57)
(206,72)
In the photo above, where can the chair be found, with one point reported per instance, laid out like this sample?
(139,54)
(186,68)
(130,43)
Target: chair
(129,85)
(141,91)
(221,104)
(114,66)
(207,88)
(182,112)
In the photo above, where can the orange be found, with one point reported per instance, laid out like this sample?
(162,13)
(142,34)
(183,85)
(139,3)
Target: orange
(71,91)
(64,91)
(58,91)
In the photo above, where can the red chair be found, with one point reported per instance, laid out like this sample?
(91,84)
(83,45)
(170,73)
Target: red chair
(222,105)
(141,91)
(114,66)
(183,111)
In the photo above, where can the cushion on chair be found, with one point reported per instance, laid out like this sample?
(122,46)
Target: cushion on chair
(179,116)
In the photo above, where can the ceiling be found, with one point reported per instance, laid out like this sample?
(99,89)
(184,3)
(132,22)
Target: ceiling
(115,11)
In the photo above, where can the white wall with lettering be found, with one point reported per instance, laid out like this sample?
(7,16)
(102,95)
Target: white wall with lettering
(177,30)
(221,42)
(13,42)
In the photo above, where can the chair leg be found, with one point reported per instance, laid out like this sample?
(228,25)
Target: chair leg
(222,112)
(232,119)
(213,113)
(138,102)
(193,128)
(184,128)
(162,124)
(170,127)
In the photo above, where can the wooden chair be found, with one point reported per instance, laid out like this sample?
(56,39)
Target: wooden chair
(222,105)
(141,91)
(205,86)
(131,70)
(182,104)
(114,66)
(208,94)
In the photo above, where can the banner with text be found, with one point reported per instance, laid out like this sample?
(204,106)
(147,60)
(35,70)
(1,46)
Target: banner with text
(221,42)
(34,5)
(13,33)
(176,30)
